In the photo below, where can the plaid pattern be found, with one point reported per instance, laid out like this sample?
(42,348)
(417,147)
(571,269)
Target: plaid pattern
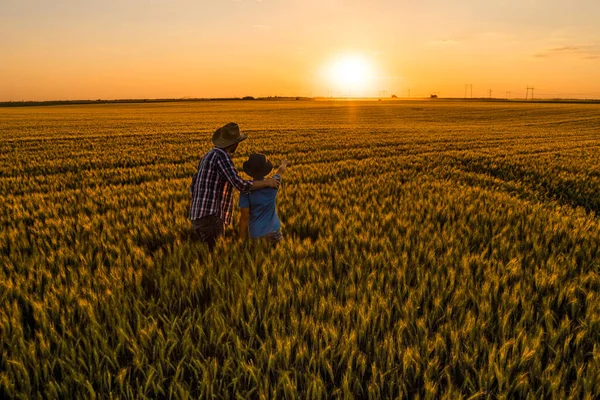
(212,186)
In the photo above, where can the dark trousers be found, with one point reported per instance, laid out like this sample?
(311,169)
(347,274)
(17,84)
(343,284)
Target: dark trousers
(208,229)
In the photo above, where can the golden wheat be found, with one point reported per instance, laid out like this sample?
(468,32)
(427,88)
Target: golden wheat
(432,249)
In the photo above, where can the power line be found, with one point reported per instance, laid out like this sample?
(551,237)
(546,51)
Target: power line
(568,94)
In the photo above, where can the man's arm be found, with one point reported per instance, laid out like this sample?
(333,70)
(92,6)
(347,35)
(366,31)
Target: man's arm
(271,182)
(244,218)
(231,173)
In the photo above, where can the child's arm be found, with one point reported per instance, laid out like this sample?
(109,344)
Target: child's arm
(282,168)
(244,218)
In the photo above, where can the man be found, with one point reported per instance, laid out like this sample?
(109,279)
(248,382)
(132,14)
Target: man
(212,186)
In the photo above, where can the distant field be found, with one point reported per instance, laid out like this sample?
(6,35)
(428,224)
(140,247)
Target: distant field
(430,249)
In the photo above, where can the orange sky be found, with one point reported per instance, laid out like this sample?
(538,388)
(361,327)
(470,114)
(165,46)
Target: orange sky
(83,49)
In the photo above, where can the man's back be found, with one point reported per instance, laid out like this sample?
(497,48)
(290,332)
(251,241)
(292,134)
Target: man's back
(211,187)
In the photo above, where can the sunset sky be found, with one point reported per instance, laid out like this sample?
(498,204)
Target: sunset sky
(84,49)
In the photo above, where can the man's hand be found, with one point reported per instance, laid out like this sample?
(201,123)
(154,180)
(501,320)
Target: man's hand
(272,183)
(265,183)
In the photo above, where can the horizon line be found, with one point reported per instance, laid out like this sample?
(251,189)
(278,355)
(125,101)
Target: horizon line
(24,103)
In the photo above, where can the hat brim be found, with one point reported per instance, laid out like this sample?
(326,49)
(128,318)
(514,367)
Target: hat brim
(258,174)
(222,143)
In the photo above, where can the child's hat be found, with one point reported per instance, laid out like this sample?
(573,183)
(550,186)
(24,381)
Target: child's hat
(258,166)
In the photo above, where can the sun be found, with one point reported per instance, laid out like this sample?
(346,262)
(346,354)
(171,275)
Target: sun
(351,74)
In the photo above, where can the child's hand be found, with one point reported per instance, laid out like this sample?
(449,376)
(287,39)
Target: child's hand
(284,165)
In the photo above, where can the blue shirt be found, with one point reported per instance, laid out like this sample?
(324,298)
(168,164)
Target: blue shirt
(263,215)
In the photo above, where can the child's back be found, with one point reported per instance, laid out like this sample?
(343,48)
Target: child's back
(258,208)
(263,219)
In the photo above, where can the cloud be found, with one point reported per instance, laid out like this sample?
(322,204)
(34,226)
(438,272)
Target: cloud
(566,48)
(444,42)
(259,26)
(585,51)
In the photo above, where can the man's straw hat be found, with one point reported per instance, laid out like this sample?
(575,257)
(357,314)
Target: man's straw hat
(227,135)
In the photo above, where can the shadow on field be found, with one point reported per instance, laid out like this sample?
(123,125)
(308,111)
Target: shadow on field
(161,241)
(157,241)
(303,233)
(156,282)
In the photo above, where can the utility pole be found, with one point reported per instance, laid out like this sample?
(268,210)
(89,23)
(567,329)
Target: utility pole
(490,93)
(508,95)
(468,86)
(527,93)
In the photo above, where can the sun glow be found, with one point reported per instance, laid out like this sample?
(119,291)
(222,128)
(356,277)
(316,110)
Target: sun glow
(351,75)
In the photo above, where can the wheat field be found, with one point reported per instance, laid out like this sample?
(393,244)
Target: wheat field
(432,249)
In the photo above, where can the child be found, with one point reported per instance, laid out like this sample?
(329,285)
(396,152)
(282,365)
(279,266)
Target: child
(259,215)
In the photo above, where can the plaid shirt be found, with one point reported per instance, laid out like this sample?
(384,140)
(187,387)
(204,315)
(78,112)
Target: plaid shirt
(212,185)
